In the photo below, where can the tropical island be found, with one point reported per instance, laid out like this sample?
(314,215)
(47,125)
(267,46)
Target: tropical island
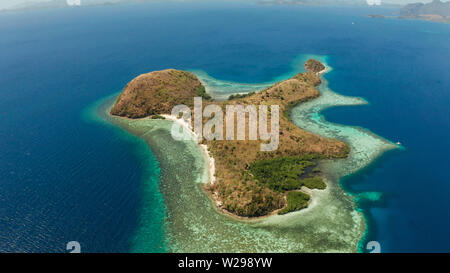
(246,182)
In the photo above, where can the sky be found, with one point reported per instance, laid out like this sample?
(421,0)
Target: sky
(9,3)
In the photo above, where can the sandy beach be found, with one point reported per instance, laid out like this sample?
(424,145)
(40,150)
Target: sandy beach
(325,70)
(208,158)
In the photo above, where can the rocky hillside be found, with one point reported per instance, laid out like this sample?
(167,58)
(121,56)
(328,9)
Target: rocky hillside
(434,11)
(314,66)
(156,93)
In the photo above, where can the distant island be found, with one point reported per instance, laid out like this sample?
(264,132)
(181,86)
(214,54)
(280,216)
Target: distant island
(435,11)
(315,2)
(377,16)
(58,4)
(246,182)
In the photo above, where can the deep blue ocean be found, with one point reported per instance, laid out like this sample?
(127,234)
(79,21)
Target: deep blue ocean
(64,179)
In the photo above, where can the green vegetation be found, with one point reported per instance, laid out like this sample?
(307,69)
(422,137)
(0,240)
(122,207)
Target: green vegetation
(286,173)
(287,110)
(296,200)
(157,117)
(201,92)
(314,183)
(240,96)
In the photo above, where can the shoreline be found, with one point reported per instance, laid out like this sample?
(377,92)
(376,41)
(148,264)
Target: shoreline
(323,71)
(209,160)
(346,168)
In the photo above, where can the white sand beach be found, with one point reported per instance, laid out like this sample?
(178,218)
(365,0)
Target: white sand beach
(208,158)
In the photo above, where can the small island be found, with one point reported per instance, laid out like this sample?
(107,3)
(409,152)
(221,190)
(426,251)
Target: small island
(246,182)
(376,16)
